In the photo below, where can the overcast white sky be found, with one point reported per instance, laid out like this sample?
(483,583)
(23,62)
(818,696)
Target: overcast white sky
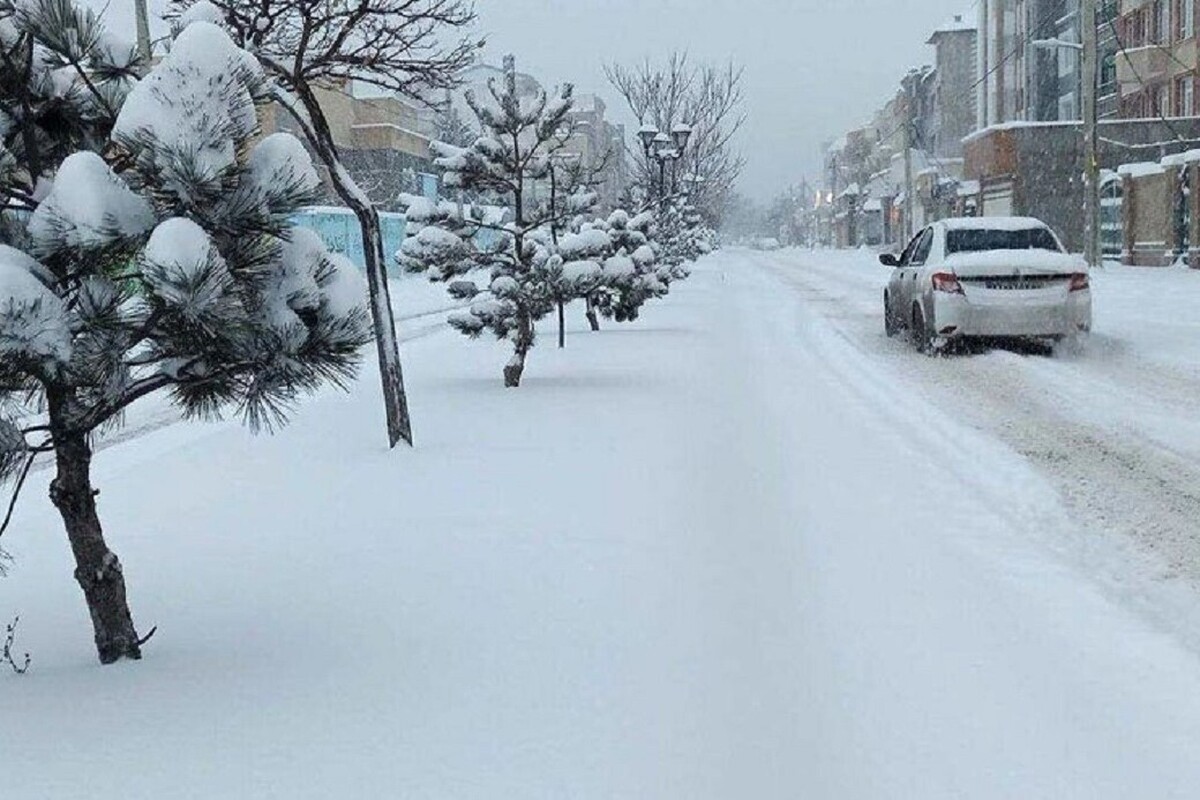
(813,67)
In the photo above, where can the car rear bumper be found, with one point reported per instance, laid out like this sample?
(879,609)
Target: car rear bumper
(955,316)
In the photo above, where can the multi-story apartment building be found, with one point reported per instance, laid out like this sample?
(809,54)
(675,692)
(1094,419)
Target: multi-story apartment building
(1026,82)
(1158,58)
(1002,53)
(475,79)
(600,145)
(383,139)
(953,112)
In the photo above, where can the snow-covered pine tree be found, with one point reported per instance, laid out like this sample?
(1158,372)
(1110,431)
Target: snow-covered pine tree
(678,236)
(589,244)
(160,259)
(631,274)
(573,196)
(401,46)
(511,160)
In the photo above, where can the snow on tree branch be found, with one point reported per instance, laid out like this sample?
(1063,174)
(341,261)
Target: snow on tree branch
(159,255)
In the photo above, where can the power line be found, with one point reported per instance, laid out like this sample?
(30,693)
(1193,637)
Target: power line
(966,93)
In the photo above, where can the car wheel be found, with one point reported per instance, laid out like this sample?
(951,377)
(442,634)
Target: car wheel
(1072,345)
(919,332)
(890,325)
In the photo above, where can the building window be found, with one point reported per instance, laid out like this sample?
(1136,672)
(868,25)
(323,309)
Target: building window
(1139,105)
(1112,228)
(1135,29)
(1160,28)
(1160,101)
(1184,14)
(1066,107)
(1185,95)
(1108,70)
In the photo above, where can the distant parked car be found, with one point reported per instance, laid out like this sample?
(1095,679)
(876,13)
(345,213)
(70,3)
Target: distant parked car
(986,277)
(768,243)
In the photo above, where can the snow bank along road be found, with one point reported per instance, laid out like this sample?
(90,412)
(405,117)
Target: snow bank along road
(742,549)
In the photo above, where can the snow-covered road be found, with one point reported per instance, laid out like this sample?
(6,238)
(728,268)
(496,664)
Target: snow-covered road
(1114,429)
(746,548)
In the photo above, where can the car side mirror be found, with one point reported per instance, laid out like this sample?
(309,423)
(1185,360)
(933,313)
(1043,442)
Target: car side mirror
(889,260)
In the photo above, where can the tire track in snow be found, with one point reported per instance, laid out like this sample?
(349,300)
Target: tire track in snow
(1121,481)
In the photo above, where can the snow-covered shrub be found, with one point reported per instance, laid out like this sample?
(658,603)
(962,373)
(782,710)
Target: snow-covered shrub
(157,255)
(630,276)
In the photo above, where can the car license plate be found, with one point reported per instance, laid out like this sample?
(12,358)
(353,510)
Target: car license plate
(1015,285)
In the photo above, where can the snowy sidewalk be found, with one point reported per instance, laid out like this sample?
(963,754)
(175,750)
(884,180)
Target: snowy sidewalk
(710,555)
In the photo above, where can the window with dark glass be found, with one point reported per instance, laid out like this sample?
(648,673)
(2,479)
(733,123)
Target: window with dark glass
(976,240)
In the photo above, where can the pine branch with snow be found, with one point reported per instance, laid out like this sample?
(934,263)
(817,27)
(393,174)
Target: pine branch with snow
(63,78)
(161,258)
(400,46)
(631,274)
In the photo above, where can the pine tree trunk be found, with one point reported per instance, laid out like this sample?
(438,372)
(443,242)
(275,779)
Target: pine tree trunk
(97,568)
(514,369)
(592,317)
(516,365)
(562,326)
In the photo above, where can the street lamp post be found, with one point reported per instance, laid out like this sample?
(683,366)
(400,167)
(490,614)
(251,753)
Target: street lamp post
(662,148)
(662,145)
(680,134)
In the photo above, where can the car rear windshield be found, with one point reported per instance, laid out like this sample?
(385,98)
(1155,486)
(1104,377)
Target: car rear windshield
(975,240)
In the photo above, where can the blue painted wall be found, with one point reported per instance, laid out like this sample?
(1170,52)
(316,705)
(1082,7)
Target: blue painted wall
(339,230)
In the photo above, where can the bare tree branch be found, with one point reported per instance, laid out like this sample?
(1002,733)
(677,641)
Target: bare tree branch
(709,98)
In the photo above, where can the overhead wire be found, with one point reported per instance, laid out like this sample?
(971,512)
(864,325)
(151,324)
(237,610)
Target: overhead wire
(966,93)
(1028,39)
(1143,83)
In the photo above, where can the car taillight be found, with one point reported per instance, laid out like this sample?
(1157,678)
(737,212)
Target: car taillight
(1079,282)
(946,282)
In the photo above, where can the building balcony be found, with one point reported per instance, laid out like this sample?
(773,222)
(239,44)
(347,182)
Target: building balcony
(1143,65)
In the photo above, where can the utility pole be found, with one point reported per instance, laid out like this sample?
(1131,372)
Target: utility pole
(1089,67)
(908,167)
(984,64)
(143,30)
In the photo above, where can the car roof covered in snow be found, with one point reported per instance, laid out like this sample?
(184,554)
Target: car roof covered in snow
(991,223)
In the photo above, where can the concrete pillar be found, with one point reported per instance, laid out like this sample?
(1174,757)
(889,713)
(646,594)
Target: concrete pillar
(1193,256)
(1128,215)
(1171,188)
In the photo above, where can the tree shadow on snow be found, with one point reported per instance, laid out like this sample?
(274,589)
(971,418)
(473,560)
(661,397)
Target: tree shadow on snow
(533,383)
(660,331)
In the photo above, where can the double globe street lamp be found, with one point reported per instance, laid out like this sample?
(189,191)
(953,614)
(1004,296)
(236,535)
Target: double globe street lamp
(663,148)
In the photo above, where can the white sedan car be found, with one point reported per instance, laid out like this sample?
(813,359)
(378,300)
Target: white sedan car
(981,277)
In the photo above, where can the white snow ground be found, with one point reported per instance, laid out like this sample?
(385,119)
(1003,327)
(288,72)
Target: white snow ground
(746,548)
(420,308)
